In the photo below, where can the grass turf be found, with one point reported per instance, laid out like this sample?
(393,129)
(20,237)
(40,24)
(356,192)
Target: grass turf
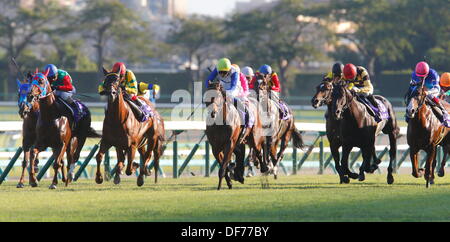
(290,198)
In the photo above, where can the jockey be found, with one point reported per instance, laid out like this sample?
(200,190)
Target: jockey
(243,81)
(143,89)
(230,79)
(61,82)
(358,80)
(336,73)
(423,72)
(128,83)
(248,73)
(445,85)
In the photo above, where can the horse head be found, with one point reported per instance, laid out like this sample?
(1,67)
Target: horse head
(416,99)
(214,98)
(25,107)
(341,99)
(111,84)
(40,87)
(323,94)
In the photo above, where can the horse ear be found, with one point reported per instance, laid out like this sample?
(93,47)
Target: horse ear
(46,72)
(105,71)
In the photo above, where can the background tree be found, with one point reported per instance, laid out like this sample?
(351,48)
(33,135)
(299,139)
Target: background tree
(196,38)
(21,28)
(278,36)
(113,27)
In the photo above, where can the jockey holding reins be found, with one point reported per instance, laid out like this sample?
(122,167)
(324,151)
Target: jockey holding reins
(61,82)
(358,80)
(423,72)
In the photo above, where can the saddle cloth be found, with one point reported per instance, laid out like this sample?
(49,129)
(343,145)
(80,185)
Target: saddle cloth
(382,111)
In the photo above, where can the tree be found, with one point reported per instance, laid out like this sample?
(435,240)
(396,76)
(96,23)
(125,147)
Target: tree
(21,28)
(113,27)
(279,36)
(196,38)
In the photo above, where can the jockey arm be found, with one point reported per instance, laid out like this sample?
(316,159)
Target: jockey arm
(130,83)
(212,76)
(275,82)
(66,84)
(244,84)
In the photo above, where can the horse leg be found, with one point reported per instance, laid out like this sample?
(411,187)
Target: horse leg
(433,168)
(274,158)
(336,157)
(99,157)
(414,156)
(157,152)
(367,156)
(392,156)
(59,154)
(26,158)
(143,171)
(32,180)
(431,156)
(120,165)
(446,150)
(239,151)
(131,165)
(346,149)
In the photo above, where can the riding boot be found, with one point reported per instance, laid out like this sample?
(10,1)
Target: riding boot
(372,100)
(135,107)
(445,116)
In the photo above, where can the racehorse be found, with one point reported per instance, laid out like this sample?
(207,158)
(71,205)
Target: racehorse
(278,131)
(359,129)
(54,130)
(29,112)
(332,126)
(425,132)
(122,130)
(223,130)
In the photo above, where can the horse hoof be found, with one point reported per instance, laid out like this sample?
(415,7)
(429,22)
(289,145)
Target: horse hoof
(52,187)
(117,179)
(345,180)
(33,184)
(275,177)
(20,185)
(99,179)
(390,180)
(441,173)
(421,172)
(353,175)
(140,181)
(431,182)
(373,168)
(70,178)
(361,178)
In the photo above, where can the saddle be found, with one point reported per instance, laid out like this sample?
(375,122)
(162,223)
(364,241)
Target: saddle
(76,110)
(379,113)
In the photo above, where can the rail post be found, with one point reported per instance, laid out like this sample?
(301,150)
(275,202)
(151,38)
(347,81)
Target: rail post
(11,164)
(86,162)
(404,155)
(321,155)
(294,160)
(175,157)
(206,159)
(45,168)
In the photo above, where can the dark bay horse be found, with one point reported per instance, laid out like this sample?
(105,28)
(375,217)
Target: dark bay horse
(29,112)
(122,130)
(425,132)
(359,129)
(277,131)
(223,130)
(53,130)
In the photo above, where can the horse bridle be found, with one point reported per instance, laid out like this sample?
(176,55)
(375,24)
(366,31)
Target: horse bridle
(328,98)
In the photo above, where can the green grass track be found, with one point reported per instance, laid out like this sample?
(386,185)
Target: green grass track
(290,198)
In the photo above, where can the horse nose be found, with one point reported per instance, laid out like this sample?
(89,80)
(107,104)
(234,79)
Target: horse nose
(314,102)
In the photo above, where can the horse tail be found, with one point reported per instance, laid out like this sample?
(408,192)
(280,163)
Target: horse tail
(297,138)
(91,133)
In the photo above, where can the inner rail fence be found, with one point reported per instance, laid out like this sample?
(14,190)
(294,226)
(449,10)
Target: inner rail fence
(185,158)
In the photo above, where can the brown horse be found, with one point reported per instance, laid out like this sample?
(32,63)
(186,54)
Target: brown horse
(122,130)
(29,112)
(53,130)
(359,129)
(223,130)
(425,132)
(276,130)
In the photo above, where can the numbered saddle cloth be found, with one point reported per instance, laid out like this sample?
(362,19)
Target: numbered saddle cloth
(146,110)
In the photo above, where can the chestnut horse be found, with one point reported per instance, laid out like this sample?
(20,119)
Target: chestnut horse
(276,130)
(425,132)
(53,130)
(359,129)
(122,130)
(29,112)
(223,130)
